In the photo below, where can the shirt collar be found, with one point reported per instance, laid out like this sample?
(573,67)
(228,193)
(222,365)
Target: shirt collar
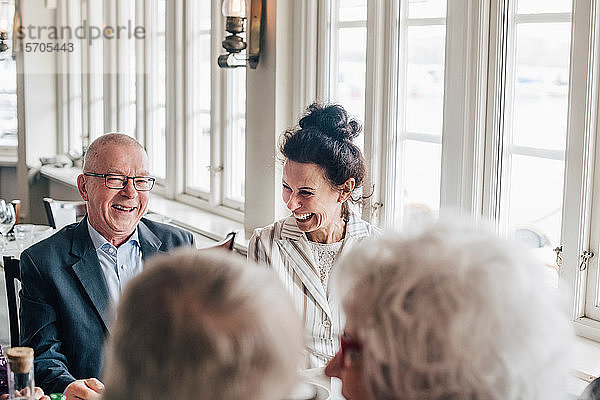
(98,240)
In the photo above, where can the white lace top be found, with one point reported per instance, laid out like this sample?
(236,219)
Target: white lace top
(325,256)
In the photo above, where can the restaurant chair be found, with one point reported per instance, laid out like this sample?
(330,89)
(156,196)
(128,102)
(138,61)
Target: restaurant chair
(17,205)
(227,243)
(12,274)
(61,212)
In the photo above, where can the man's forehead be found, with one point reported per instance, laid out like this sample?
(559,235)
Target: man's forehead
(115,158)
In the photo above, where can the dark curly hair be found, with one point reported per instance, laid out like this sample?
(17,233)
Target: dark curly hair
(324,137)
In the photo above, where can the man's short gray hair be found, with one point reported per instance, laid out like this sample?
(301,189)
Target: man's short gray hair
(454,313)
(94,149)
(203,325)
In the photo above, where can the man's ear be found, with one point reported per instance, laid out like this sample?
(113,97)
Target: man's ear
(81,185)
(346,189)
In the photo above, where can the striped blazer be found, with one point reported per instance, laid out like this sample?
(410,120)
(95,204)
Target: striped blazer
(285,248)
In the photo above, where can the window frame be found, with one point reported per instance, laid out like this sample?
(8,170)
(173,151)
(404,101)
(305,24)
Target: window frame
(471,163)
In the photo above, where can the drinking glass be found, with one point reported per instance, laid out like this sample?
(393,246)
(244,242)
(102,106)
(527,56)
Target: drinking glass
(24,235)
(7,220)
(20,373)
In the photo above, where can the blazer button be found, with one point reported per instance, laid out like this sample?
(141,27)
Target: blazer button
(327,324)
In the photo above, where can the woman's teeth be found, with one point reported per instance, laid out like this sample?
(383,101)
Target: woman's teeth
(303,217)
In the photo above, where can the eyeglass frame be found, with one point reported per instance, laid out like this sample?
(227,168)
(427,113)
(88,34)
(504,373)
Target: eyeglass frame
(126,180)
(348,345)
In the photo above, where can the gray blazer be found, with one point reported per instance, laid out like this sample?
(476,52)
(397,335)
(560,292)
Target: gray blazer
(64,312)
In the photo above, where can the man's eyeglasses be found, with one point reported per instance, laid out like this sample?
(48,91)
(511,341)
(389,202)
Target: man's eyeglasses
(115,181)
(350,349)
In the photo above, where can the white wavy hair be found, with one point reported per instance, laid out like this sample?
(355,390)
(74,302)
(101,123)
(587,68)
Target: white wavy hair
(203,325)
(454,313)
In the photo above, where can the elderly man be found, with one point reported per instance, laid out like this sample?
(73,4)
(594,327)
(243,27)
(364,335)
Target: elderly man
(73,279)
(203,325)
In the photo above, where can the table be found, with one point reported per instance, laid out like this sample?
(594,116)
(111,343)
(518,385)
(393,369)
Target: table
(13,250)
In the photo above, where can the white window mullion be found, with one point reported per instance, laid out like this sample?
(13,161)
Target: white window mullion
(75,106)
(95,122)
(324,43)
(125,71)
(495,107)
(141,72)
(175,93)
(306,41)
(380,103)
(392,197)
(507,110)
(218,103)
(464,105)
(334,51)
(62,82)
(110,68)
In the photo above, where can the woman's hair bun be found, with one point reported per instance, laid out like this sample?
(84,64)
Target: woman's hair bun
(331,120)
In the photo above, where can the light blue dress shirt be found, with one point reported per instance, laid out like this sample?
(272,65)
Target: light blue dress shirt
(119,265)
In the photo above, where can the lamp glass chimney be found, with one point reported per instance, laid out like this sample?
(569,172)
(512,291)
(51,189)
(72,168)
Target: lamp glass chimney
(234,8)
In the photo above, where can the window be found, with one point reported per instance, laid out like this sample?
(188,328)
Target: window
(214,173)
(8,93)
(422,29)
(8,106)
(534,129)
(187,112)
(348,55)
(490,110)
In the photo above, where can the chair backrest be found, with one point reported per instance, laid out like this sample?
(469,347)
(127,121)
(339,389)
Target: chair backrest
(17,205)
(61,212)
(12,275)
(227,243)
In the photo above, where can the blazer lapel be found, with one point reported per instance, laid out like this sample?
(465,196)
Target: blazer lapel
(149,242)
(304,267)
(88,271)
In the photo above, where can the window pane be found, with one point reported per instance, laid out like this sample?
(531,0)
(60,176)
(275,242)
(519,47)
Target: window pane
(536,195)
(425,79)
(426,8)
(535,206)
(353,10)
(236,135)
(198,161)
(543,6)
(420,176)
(8,103)
(349,87)
(420,111)
(541,85)
(198,136)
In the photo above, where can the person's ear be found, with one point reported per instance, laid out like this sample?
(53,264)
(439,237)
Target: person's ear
(81,186)
(346,189)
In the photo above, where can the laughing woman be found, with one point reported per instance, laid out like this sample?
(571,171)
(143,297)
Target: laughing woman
(321,171)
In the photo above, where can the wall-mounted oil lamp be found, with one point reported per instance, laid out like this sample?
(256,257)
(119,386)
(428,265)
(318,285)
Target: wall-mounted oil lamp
(240,51)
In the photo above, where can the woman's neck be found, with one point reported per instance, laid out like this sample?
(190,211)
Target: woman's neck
(330,234)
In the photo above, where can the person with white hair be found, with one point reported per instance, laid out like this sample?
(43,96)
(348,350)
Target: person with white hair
(203,325)
(451,313)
